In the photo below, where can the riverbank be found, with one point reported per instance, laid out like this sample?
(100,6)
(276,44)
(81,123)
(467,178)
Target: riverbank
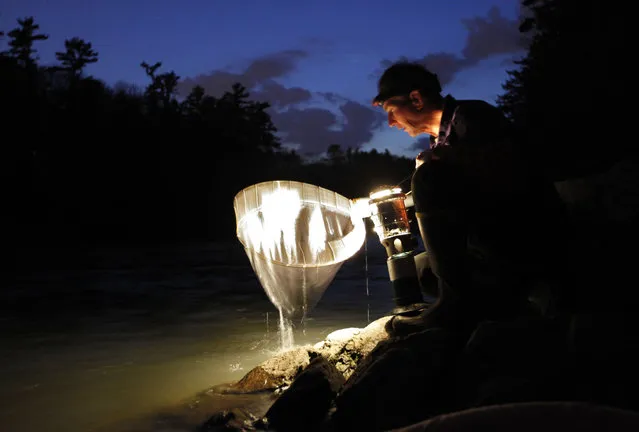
(364,379)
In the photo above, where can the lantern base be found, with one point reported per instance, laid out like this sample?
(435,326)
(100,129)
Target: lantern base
(407,292)
(400,244)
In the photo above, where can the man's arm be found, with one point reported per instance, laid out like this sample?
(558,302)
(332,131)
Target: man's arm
(438,199)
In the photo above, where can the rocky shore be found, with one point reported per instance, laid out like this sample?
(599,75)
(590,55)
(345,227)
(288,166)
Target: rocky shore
(364,379)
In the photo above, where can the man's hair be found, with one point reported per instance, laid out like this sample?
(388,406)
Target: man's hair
(403,77)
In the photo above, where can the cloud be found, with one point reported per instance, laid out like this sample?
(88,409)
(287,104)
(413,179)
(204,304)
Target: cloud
(420,145)
(279,96)
(332,97)
(313,129)
(275,65)
(259,76)
(489,36)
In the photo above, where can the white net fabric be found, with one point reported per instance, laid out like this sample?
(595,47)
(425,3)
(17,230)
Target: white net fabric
(297,236)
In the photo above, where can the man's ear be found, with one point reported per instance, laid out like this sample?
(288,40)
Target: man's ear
(416,100)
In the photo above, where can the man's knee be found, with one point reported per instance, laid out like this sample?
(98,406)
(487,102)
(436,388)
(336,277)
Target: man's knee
(436,187)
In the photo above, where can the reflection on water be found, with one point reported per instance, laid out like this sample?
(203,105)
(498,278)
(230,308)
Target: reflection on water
(117,340)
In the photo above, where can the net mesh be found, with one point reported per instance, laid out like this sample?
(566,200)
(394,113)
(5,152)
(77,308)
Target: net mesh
(296,236)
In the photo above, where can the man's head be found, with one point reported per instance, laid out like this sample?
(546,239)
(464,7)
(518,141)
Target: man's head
(411,95)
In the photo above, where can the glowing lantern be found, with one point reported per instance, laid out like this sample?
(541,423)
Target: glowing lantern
(388,213)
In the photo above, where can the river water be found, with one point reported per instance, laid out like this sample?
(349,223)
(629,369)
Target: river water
(130,339)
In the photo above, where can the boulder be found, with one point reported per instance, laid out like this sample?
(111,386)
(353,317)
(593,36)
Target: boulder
(276,372)
(305,404)
(402,381)
(356,347)
(235,420)
(532,417)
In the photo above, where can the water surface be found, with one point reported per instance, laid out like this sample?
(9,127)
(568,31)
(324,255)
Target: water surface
(124,339)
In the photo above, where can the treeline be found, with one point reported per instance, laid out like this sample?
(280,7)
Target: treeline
(85,162)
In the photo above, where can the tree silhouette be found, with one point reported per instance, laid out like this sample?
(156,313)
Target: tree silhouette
(21,40)
(127,191)
(195,98)
(76,56)
(335,154)
(245,122)
(163,86)
(127,88)
(151,69)
(195,106)
(564,81)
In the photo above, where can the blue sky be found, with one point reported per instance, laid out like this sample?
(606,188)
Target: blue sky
(316,61)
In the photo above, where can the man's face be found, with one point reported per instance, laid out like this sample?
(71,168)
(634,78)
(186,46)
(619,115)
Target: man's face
(403,115)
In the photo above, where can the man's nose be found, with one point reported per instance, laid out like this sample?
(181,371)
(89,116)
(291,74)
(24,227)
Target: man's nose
(391,120)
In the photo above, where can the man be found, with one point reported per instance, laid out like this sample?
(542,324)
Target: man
(485,219)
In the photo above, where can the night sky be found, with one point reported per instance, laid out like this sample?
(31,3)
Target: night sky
(316,62)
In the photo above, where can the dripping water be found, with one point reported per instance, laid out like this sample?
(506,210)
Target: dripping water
(286,332)
(368,303)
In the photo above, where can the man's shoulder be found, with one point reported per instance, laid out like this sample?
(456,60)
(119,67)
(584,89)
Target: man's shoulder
(479,114)
(467,107)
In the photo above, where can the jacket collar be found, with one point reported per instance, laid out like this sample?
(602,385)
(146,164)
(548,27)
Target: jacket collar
(450,105)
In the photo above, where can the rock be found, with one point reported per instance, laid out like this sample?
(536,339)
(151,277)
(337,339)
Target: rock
(275,372)
(534,416)
(402,381)
(611,195)
(307,401)
(235,420)
(343,348)
(257,379)
(346,354)
(518,361)
(335,341)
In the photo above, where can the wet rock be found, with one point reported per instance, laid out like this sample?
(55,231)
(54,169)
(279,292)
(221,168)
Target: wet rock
(335,341)
(275,372)
(343,348)
(235,420)
(306,402)
(346,348)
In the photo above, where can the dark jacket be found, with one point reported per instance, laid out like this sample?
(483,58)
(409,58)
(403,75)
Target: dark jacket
(489,223)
